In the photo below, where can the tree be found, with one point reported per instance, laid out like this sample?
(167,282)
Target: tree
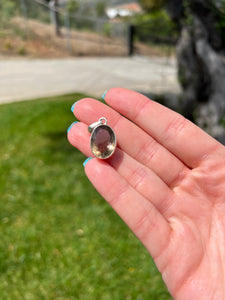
(54,6)
(150,5)
(201,60)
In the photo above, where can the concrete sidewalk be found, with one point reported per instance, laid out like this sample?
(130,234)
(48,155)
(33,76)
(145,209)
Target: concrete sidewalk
(22,79)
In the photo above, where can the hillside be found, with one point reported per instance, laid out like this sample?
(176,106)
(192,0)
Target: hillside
(39,40)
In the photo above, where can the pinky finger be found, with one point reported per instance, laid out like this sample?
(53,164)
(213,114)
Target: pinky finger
(137,212)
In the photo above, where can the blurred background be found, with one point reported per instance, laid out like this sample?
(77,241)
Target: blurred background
(59,239)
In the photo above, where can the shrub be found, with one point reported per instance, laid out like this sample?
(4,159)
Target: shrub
(155,26)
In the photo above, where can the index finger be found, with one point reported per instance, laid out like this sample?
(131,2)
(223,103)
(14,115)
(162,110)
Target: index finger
(180,136)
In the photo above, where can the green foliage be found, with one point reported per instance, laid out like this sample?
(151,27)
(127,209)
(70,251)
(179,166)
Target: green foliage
(72,6)
(22,50)
(81,24)
(8,8)
(8,46)
(157,24)
(100,8)
(187,20)
(107,29)
(222,122)
(59,239)
(152,5)
(37,11)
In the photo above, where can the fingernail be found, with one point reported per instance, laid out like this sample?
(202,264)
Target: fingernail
(71,126)
(86,161)
(72,107)
(103,96)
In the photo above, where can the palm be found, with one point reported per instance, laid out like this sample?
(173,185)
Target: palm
(167,181)
(196,252)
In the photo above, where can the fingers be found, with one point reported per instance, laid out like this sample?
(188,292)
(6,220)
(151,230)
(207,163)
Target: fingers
(138,213)
(141,178)
(144,181)
(132,140)
(181,137)
(79,137)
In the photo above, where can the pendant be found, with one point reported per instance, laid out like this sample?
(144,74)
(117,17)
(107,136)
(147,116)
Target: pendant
(103,139)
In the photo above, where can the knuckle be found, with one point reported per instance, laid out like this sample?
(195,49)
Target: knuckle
(176,127)
(148,151)
(143,225)
(137,177)
(141,107)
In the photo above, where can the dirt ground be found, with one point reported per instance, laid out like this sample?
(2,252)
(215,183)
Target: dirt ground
(36,39)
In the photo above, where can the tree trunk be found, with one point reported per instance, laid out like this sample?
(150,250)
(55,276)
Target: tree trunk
(54,15)
(201,63)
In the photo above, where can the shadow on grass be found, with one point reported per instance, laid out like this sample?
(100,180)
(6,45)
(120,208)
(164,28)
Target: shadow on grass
(59,150)
(58,142)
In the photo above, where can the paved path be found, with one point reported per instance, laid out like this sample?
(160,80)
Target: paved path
(22,79)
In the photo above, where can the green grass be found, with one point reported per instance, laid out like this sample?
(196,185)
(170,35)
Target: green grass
(59,239)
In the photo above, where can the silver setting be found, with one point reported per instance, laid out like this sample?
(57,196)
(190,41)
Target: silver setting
(103,139)
(94,125)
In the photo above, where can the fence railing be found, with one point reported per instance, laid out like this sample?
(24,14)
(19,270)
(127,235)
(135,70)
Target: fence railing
(80,34)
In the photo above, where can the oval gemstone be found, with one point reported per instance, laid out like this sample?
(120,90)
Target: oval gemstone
(103,141)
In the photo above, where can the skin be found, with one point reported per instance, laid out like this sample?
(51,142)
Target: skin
(166,180)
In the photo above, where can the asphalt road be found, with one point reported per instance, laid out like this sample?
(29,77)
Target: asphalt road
(23,79)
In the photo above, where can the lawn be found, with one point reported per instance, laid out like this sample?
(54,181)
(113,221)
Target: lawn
(59,239)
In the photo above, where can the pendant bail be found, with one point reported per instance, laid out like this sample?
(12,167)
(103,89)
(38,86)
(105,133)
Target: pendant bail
(96,124)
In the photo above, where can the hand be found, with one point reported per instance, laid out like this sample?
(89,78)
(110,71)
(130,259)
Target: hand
(167,182)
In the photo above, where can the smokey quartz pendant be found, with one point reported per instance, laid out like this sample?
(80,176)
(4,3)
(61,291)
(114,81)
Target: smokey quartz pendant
(103,139)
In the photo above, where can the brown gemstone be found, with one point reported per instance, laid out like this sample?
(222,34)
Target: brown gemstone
(103,141)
